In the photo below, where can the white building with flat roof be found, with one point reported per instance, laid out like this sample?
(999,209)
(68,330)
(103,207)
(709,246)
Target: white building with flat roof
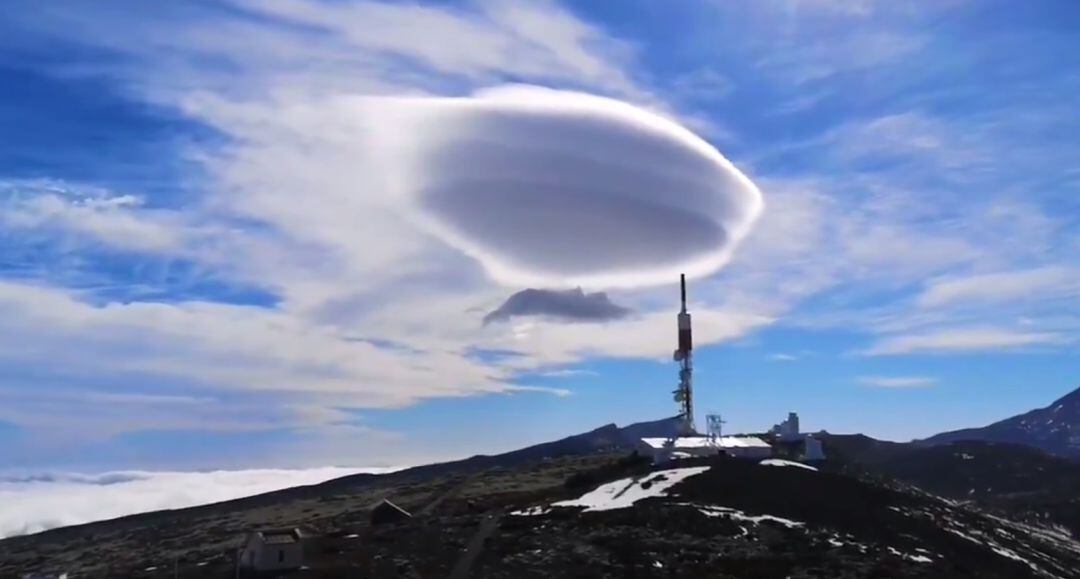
(664,449)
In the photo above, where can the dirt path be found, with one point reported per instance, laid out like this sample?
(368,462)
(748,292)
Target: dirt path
(476,546)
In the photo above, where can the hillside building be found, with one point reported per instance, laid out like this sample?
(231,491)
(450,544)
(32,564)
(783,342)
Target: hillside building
(387,512)
(273,550)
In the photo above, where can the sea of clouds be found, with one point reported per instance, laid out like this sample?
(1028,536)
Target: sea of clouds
(36,502)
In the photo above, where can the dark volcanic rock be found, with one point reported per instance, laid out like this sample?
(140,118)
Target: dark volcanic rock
(495,516)
(739,519)
(1016,479)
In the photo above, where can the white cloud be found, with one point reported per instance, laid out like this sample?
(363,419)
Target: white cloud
(535,39)
(897,381)
(859,8)
(782,357)
(548,187)
(567,373)
(102,218)
(34,503)
(643,336)
(227,346)
(375,308)
(955,340)
(1008,286)
(807,56)
(704,85)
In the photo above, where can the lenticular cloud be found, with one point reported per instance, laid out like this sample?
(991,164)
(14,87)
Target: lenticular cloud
(560,188)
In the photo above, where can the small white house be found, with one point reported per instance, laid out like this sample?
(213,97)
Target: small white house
(273,550)
(664,449)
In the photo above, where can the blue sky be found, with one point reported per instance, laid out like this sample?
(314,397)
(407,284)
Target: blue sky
(198,269)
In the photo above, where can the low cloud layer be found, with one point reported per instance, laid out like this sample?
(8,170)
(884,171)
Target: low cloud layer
(34,503)
(561,188)
(568,305)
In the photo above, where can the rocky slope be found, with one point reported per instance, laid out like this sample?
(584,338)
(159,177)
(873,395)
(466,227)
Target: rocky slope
(1021,481)
(1055,429)
(600,514)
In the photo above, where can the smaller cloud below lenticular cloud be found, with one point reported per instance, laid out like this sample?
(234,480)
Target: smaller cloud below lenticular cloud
(567,305)
(37,502)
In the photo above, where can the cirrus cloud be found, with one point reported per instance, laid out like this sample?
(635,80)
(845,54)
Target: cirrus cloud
(897,381)
(960,340)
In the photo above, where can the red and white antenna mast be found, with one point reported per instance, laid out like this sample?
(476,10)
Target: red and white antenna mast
(684,394)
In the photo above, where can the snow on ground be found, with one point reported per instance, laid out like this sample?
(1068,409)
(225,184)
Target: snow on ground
(995,547)
(782,462)
(847,540)
(532,511)
(735,514)
(1056,536)
(917,558)
(625,492)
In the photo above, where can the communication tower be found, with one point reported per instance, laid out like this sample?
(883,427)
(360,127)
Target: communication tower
(684,393)
(714,424)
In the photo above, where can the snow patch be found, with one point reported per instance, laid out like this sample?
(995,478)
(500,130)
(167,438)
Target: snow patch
(782,462)
(737,515)
(917,558)
(996,548)
(532,511)
(848,540)
(625,492)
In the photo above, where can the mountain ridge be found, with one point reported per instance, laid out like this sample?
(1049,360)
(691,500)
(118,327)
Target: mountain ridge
(1054,428)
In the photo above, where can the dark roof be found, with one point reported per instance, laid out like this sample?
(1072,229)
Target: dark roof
(386,504)
(388,512)
(280,536)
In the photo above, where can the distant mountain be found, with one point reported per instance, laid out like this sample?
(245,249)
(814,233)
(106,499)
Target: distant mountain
(1025,482)
(663,428)
(1055,429)
(609,437)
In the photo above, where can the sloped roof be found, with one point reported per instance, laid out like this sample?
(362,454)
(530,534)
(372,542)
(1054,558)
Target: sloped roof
(385,504)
